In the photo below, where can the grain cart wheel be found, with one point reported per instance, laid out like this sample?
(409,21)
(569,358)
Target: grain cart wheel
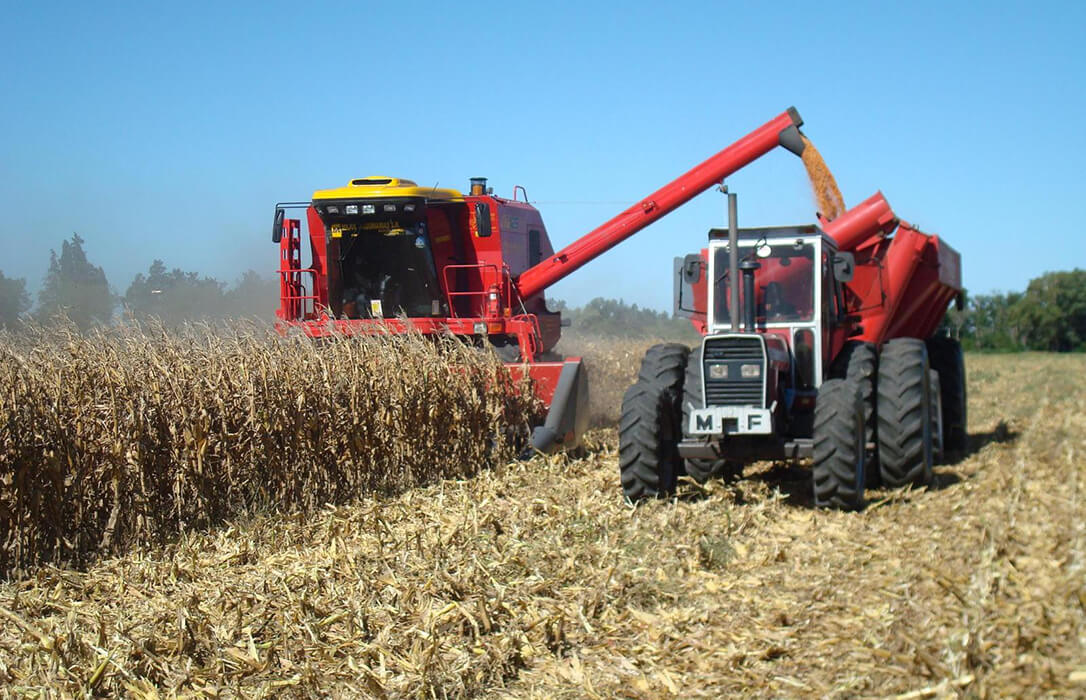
(701,470)
(839,449)
(946,358)
(904,413)
(859,361)
(936,418)
(647,435)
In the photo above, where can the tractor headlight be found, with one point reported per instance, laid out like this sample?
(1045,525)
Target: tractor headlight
(368,209)
(750,371)
(350,209)
(718,370)
(389,207)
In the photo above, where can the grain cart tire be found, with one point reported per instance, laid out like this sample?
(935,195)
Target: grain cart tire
(647,437)
(946,358)
(904,413)
(937,435)
(839,451)
(859,361)
(701,470)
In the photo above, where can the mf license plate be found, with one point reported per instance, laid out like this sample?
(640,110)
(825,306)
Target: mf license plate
(731,420)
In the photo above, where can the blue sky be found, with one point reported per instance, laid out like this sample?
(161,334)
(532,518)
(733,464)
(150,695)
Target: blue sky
(169,132)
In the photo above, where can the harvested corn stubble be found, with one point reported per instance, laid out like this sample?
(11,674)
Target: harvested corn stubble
(535,580)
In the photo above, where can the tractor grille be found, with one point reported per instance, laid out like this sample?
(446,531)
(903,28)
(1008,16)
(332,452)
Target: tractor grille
(735,390)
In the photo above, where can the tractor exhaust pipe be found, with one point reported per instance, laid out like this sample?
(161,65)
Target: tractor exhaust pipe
(733,262)
(748,267)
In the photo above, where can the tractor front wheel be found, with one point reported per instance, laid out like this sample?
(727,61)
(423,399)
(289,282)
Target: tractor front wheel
(665,364)
(647,442)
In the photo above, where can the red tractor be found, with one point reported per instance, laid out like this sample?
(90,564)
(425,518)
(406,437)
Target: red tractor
(819,341)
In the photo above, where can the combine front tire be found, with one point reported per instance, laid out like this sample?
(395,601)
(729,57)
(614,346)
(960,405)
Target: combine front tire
(839,450)
(904,413)
(947,359)
(647,437)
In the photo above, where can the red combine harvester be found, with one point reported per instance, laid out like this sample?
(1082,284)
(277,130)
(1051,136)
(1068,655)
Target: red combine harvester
(819,341)
(390,256)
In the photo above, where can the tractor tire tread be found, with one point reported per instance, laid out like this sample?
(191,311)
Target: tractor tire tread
(904,414)
(838,446)
(860,361)
(647,456)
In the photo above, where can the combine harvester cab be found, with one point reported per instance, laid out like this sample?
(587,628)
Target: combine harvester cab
(818,343)
(389,256)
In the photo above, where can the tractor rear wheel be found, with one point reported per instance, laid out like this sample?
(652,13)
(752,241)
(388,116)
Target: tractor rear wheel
(904,413)
(859,361)
(839,449)
(647,438)
(947,359)
(701,470)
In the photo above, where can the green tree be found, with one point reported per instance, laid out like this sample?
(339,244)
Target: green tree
(1051,315)
(617,318)
(13,300)
(75,287)
(958,323)
(174,296)
(991,322)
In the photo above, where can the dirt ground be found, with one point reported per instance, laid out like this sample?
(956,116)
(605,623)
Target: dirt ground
(536,580)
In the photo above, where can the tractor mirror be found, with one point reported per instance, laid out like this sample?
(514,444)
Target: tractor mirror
(692,269)
(844,266)
(277,226)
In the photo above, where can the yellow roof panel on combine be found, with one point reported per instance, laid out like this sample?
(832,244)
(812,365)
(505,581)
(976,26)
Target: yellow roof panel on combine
(383,187)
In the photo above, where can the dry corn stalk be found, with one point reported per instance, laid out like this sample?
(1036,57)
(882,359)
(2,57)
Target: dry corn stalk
(132,435)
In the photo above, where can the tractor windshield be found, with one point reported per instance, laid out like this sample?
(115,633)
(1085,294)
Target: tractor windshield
(784,282)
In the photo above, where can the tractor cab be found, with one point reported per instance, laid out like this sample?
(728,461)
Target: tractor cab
(761,369)
(789,287)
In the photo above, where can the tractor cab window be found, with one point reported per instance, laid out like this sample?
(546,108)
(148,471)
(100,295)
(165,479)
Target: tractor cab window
(783,284)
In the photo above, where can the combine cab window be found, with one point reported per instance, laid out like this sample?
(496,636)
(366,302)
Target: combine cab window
(394,269)
(386,265)
(784,284)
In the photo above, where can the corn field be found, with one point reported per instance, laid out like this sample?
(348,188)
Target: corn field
(129,436)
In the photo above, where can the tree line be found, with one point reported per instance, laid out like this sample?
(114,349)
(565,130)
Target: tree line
(76,288)
(1050,315)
